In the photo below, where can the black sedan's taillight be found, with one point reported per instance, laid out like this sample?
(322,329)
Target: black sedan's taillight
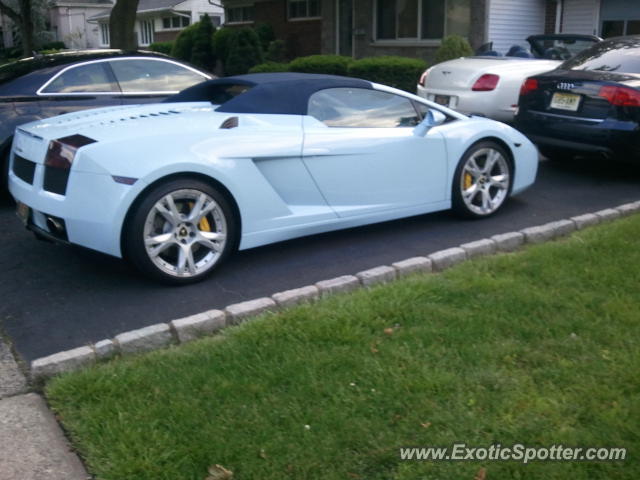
(58,161)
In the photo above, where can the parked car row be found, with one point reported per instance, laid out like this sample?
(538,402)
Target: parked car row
(588,104)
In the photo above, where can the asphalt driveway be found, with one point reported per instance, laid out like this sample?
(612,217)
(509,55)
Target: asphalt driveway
(54,297)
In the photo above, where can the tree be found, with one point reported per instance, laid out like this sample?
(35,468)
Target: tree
(202,54)
(121,25)
(244,52)
(21,16)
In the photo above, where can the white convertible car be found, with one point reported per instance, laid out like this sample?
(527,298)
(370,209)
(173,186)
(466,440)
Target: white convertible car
(489,84)
(245,161)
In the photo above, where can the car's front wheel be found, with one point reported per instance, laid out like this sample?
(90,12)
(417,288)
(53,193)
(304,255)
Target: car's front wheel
(482,181)
(180,231)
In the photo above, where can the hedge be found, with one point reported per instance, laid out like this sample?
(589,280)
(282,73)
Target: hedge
(244,52)
(453,46)
(398,72)
(327,64)
(161,47)
(270,67)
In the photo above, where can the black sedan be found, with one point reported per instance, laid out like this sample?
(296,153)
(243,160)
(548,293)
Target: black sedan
(49,85)
(589,105)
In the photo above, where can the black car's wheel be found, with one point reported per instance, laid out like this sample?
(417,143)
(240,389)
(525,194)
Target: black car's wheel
(482,181)
(180,231)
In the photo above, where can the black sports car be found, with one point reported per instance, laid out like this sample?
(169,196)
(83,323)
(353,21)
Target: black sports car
(589,105)
(49,85)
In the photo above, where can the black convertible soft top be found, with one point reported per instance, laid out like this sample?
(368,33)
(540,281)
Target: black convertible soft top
(278,93)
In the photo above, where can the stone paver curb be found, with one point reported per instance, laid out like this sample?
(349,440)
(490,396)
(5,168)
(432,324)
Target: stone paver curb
(207,323)
(538,234)
(343,284)
(12,381)
(296,296)
(508,242)
(412,265)
(608,214)
(479,248)
(377,275)
(199,325)
(239,312)
(562,228)
(144,339)
(105,349)
(629,208)
(62,362)
(443,259)
(586,220)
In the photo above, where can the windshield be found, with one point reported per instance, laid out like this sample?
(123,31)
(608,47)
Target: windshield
(614,55)
(559,48)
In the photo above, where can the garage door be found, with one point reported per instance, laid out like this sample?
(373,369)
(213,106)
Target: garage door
(580,16)
(512,21)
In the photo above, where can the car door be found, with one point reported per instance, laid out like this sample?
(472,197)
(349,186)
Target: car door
(360,148)
(78,87)
(148,80)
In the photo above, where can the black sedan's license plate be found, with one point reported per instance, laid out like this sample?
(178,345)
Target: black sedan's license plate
(442,100)
(23,212)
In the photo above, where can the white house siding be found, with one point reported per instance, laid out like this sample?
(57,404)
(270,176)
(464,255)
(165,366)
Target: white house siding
(580,16)
(512,21)
(200,7)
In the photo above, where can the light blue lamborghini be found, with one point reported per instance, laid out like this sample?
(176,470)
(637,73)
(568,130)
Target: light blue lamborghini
(245,161)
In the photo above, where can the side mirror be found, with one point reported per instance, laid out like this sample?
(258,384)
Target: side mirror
(433,118)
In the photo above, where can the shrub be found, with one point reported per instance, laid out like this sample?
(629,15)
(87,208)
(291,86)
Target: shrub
(276,51)
(221,41)
(202,54)
(243,53)
(265,34)
(328,64)
(398,72)
(53,46)
(161,47)
(453,46)
(270,67)
(183,45)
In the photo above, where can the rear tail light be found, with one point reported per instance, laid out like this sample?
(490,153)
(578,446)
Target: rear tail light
(423,78)
(61,152)
(529,85)
(486,83)
(620,96)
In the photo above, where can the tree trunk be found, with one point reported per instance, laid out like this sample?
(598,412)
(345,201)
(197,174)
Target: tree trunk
(26,28)
(122,23)
(478,27)
(22,19)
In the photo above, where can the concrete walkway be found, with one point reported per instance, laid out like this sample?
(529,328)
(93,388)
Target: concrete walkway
(32,445)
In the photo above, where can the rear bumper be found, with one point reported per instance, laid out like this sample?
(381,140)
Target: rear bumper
(609,137)
(494,104)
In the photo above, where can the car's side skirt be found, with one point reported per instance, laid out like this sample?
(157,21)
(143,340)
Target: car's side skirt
(256,239)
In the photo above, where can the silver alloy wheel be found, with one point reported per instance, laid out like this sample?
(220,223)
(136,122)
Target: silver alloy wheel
(485,181)
(185,233)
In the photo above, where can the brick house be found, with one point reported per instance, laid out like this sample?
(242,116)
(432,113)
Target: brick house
(414,28)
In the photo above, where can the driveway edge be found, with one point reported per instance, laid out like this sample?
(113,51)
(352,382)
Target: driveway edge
(186,329)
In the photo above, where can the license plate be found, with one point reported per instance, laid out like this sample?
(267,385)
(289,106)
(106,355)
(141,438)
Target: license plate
(442,100)
(565,101)
(23,211)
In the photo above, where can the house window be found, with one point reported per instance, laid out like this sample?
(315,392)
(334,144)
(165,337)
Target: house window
(146,32)
(303,8)
(615,28)
(240,14)
(216,20)
(175,22)
(1,38)
(421,19)
(105,40)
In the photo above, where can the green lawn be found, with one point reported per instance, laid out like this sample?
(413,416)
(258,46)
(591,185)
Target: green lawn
(540,348)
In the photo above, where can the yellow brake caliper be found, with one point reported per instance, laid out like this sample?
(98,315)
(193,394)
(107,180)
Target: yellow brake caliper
(204,223)
(468,180)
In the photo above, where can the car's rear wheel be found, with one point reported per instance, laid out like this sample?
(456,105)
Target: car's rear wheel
(482,181)
(180,231)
